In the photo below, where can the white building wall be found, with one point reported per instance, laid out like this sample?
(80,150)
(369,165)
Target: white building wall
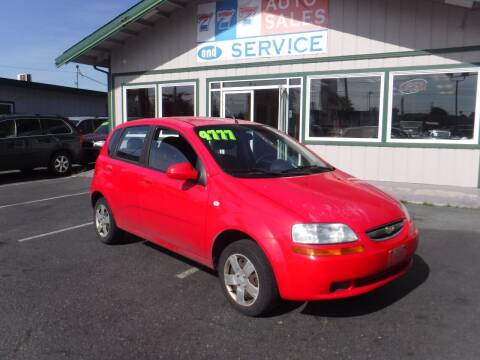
(356,27)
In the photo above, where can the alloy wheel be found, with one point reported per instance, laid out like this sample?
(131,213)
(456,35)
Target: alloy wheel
(61,164)
(241,280)
(102,220)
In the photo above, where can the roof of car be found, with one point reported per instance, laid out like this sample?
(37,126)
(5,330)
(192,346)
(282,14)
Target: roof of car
(15,116)
(187,121)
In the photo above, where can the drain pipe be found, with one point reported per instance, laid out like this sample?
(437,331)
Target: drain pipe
(110,93)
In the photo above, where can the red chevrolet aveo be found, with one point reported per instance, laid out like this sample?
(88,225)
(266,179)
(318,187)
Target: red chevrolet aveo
(269,215)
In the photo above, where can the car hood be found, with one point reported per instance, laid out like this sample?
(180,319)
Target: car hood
(329,197)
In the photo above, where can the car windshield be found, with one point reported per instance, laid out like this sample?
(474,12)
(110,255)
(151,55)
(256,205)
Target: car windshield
(258,151)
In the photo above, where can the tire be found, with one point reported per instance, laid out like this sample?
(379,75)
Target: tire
(104,223)
(260,293)
(61,164)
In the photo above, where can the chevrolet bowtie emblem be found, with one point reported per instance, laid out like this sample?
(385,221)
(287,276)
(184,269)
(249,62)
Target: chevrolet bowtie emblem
(389,229)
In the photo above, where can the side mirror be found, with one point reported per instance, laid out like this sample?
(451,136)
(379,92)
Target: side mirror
(182,171)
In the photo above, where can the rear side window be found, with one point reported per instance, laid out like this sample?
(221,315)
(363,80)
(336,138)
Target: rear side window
(132,143)
(28,127)
(7,129)
(55,126)
(113,141)
(98,122)
(168,148)
(85,127)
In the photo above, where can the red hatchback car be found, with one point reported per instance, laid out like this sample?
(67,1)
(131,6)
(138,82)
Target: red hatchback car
(269,215)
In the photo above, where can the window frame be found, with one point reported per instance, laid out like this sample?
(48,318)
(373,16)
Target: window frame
(29,136)
(159,94)
(202,172)
(44,130)
(9,103)
(141,161)
(472,141)
(378,139)
(247,88)
(14,129)
(133,87)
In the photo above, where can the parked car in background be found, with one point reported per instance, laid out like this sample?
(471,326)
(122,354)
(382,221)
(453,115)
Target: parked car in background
(87,124)
(274,219)
(31,141)
(92,143)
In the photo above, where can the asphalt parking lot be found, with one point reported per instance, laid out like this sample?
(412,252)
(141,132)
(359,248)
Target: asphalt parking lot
(63,294)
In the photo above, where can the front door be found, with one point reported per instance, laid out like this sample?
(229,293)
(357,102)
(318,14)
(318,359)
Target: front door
(173,211)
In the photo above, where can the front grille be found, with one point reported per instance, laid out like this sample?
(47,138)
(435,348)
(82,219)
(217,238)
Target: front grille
(386,231)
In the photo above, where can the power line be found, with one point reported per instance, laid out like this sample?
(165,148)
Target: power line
(91,79)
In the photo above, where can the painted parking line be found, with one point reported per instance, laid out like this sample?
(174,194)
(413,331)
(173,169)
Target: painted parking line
(55,232)
(42,200)
(187,273)
(36,182)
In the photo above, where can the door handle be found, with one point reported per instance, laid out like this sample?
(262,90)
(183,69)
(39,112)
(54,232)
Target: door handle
(108,168)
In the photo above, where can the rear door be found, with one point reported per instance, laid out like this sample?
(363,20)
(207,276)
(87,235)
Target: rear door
(173,210)
(7,145)
(57,135)
(29,149)
(122,175)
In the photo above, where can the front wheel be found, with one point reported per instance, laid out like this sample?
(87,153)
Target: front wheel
(247,278)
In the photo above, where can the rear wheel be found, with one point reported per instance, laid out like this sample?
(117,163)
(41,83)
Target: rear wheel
(61,164)
(105,226)
(247,279)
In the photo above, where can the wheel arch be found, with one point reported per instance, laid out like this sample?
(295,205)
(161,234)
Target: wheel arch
(96,195)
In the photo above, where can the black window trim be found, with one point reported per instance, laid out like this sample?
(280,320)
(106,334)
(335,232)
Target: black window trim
(53,118)
(141,162)
(11,103)
(202,176)
(29,136)
(14,129)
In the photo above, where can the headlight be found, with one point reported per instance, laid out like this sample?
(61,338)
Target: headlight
(322,234)
(405,211)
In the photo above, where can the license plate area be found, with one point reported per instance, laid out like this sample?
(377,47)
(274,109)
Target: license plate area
(397,255)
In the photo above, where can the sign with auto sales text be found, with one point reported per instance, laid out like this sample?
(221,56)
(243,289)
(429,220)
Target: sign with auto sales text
(249,29)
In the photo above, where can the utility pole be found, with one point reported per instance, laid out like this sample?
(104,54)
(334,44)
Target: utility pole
(78,70)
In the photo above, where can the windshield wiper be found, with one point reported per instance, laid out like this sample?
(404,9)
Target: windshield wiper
(309,169)
(256,171)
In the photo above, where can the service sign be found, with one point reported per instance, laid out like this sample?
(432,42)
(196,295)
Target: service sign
(249,29)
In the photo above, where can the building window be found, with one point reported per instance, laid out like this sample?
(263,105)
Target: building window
(178,100)
(215,104)
(346,107)
(140,102)
(433,106)
(7,107)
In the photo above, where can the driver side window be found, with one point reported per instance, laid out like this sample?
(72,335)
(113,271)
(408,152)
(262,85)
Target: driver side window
(167,148)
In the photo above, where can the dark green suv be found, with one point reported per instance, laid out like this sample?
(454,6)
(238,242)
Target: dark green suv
(32,141)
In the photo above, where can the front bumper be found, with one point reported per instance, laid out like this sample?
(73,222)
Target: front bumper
(334,277)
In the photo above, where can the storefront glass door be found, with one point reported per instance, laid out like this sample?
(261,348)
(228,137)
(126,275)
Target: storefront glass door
(275,103)
(237,105)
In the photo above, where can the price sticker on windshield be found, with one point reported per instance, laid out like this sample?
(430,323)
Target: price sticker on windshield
(217,134)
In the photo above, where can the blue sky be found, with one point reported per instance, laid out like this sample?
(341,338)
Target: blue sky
(35,32)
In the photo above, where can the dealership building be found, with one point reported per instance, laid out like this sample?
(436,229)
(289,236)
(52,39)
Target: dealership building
(383,89)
